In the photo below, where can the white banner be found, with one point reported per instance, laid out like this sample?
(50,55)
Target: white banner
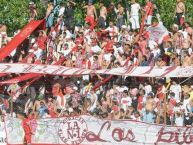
(126,71)
(2,134)
(87,130)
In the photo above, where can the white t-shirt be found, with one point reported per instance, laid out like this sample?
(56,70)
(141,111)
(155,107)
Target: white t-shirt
(107,56)
(156,52)
(148,89)
(126,102)
(176,89)
(38,53)
(113,31)
(96,49)
(66,52)
(179,121)
(59,101)
(117,50)
(68,34)
(135,9)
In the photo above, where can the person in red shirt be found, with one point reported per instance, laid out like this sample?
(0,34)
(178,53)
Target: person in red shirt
(140,100)
(148,11)
(26,127)
(41,40)
(161,91)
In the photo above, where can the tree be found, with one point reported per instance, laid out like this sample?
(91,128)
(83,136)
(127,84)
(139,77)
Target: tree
(14,13)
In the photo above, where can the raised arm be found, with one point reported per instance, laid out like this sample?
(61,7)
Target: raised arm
(72,2)
(95,13)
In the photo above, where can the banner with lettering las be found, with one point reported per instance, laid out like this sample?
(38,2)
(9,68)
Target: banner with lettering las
(88,130)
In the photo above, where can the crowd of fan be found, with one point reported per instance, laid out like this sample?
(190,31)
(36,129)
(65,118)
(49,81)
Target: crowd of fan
(101,44)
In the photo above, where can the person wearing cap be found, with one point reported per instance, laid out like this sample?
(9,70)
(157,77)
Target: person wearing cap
(91,14)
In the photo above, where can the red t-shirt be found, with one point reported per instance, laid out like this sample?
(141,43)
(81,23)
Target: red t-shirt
(25,124)
(140,103)
(41,42)
(51,112)
(27,130)
(149,9)
(161,94)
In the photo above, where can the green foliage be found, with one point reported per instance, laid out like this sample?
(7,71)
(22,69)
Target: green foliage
(167,9)
(14,13)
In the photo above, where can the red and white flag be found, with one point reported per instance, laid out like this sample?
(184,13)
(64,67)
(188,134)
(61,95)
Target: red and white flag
(157,33)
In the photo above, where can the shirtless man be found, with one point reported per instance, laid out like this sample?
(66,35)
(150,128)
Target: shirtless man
(91,14)
(103,15)
(180,11)
(3,34)
(32,11)
(186,60)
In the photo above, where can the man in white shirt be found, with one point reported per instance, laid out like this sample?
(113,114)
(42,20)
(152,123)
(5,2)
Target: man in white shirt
(134,18)
(112,30)
(147,88)
(95,48)
(176,89)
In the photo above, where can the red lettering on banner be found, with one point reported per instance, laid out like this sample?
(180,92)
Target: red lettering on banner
(79,72)
(168,70)
(118,134)
(128,69)
(174,136)
(28,68)
(121,136)
(149,71)
(73,130)
(37,70)
(59,69)
(62,73)
(185,72)
(5,67)
(41,69)
(91,136)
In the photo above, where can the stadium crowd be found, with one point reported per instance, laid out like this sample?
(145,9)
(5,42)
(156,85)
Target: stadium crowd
(101,44)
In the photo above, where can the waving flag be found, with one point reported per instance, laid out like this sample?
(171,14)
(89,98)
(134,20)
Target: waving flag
(157,33)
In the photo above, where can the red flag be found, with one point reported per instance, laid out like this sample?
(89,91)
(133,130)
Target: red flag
(19,38)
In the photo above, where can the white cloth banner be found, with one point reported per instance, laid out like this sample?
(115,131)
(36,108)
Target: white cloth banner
(125,71)
(87,130)
(2,134)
